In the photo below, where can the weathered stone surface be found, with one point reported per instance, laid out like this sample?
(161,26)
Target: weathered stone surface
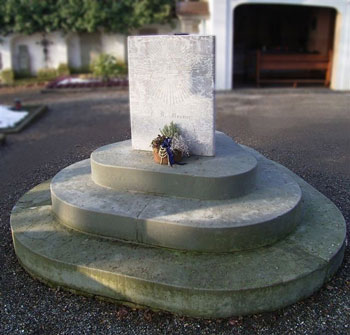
(171,78)
(231,173)
(23,60)
(238,283)
(267,214)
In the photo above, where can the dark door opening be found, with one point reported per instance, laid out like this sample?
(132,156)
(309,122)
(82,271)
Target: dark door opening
(282,44)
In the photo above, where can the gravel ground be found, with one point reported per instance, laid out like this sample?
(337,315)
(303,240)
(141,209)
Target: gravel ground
(307,131)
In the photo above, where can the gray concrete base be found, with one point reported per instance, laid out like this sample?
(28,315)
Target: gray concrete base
(231,173)
(267,214)
(238,283)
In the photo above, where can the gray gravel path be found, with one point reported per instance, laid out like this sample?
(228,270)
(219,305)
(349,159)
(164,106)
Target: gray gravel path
(307,131)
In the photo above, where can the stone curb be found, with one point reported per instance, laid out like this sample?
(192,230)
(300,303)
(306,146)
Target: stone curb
(26,121)
(83,89)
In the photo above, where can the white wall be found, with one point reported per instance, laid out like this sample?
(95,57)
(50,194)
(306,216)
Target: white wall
(5,50)
(221,24)
(73,50)
(57,50)
(65,48)
(114,44)
(341,65)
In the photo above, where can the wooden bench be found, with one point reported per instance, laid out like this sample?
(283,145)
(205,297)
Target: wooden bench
(292,62)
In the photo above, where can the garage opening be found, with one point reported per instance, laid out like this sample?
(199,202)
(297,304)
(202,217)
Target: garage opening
(277,45)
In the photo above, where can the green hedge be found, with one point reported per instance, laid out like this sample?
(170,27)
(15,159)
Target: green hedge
(39,16)
(106,66)
(63,70)
(7,76)
(47,74)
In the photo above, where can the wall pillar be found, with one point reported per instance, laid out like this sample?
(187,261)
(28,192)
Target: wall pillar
(191,14)
(341,66)
(219,12)
(5,50)
(189,25)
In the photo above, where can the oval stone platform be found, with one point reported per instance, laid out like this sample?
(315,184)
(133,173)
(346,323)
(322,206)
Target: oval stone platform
(238,283)
(231,173)
(265,215)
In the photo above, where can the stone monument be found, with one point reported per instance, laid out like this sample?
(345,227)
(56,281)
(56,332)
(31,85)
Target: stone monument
(171,78)
(223,235)
(23,59)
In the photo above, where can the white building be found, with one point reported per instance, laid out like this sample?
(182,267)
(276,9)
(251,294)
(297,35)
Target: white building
(26,52)
(221,24)
(240,26)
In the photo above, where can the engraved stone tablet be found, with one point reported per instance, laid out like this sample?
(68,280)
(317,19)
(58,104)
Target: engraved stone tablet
(23,58)
(171,78)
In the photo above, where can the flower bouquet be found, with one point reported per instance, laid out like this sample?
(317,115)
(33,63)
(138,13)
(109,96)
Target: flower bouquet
(169,147)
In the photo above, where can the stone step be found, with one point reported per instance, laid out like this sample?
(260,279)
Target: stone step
(196,284)
(267,214)
(231,173)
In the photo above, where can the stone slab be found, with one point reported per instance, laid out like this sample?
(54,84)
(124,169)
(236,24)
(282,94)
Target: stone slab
(34,113)
(238,283)
(231,173)
(267,214)
(171,78)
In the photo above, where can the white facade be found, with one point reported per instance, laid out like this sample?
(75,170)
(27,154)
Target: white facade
(57,51)
(73,49)
(63,49)
(76,49)
(221,22)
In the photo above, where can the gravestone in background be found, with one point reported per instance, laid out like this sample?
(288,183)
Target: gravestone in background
(23,59)
(171,78)
(90,46)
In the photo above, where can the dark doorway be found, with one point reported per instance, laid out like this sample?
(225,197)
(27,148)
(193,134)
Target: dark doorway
(296,38)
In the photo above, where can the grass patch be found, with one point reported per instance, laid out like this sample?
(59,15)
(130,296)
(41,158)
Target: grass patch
(29,81)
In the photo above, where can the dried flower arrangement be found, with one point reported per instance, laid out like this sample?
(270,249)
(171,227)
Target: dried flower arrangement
(169,146)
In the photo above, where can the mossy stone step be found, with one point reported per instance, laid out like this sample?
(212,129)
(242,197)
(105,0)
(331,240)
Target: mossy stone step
(265,215)
(195,284)
(231,173)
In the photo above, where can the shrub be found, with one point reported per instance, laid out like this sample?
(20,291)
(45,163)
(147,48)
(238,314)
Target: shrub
(22,74)
(106,66)
(46,74)
(63,70)
(7,76)
(170,130)
(80,70)
(122,69)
